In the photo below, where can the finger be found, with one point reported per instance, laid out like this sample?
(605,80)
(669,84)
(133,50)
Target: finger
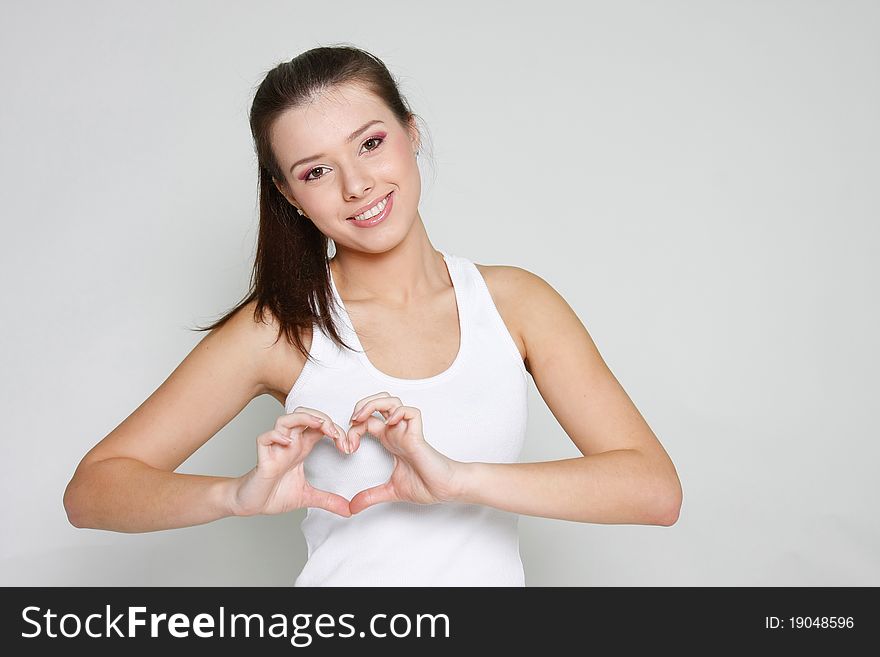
(343,444)
(396,416)
(308,409)
(354,435)
(329,428)
(369,425)
(411,414)
(273,437)
(372,496)
(324,429)
(274,445)
(335,433)
(359,406)
(290,421)
(384,405)
(377,428)
(322,499)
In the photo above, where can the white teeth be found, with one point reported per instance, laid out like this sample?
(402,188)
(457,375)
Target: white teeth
(372,213)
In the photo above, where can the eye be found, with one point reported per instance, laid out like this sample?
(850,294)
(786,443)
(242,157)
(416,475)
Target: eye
(375,138)
(309,175)
(378,139)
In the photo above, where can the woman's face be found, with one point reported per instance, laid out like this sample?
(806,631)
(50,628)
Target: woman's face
(330,178)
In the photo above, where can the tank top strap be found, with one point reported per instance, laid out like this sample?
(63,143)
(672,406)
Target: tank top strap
(484,316)
(462,281)
(317,351)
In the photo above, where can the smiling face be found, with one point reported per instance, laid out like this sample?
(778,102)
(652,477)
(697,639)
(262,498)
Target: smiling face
(342,153)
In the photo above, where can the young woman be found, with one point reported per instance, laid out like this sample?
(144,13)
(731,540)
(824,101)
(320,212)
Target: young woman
(413,362)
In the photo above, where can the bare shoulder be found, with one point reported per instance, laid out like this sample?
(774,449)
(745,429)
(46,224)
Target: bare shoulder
(504,282)
(278,363)
(529,305)
(283,362)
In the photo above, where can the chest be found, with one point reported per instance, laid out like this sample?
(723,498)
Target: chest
(416,344)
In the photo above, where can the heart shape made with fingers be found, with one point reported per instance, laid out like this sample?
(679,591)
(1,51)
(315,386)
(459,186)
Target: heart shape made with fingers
(420,473)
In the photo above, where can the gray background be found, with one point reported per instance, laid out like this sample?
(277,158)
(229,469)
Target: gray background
(699,180)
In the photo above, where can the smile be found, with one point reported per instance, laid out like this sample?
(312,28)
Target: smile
(376,214)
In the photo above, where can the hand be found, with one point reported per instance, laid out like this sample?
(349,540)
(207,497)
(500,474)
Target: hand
(421,474)
(278,484)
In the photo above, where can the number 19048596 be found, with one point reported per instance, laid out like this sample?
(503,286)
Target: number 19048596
(809,622)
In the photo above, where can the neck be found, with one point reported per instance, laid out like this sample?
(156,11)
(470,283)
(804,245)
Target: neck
(402,276)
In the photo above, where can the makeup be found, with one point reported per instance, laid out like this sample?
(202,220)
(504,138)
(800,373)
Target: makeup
(379,218)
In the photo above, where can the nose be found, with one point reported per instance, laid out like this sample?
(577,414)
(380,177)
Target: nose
(357,183)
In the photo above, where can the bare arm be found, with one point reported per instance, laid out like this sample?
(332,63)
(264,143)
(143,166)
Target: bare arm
(624,476)
(614,487)
(126,495)
(127,481)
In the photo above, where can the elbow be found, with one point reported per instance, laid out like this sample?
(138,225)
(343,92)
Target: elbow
(80,494)
(670,517)
(670,511)
(73,503)
(71,507)
(665,493)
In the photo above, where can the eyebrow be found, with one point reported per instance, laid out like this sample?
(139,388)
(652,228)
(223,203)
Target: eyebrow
(354,135)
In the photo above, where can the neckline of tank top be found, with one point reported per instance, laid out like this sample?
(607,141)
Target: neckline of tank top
(462,332)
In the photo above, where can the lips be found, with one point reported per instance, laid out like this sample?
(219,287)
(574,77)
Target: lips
(368,207)
(378,218)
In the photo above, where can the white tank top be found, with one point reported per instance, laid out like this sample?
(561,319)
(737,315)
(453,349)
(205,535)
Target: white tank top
(476,410)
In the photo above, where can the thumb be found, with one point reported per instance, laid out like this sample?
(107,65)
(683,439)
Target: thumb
(322,499)
(371,496)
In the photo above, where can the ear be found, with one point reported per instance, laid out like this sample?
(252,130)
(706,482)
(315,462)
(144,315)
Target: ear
(414,135)
(282,187)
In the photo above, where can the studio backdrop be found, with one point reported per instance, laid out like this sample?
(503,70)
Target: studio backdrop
(699,181)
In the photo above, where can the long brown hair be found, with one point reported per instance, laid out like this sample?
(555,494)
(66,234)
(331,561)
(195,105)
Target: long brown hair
(291,273)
